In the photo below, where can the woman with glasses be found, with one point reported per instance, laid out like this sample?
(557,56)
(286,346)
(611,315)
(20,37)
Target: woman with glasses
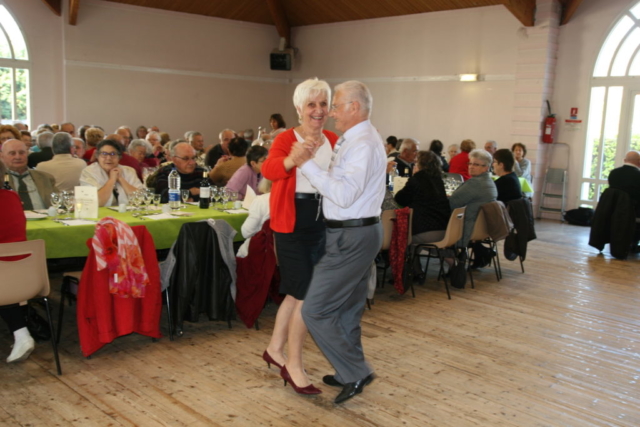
(298,226)
(115,182)
(474,192)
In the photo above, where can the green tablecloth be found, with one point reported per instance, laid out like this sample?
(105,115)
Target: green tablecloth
(526,186)
(64,241)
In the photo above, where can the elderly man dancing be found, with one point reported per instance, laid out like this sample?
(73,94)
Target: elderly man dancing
(352,191)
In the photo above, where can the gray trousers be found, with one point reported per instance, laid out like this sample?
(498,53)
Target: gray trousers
(335,302)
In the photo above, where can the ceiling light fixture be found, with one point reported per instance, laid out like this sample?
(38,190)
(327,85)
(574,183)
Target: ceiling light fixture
(468,77)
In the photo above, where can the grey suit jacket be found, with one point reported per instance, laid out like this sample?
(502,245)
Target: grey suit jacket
(45,183)
(473,193)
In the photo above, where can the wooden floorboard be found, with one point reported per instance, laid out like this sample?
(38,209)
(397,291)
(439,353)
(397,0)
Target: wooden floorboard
(556,346)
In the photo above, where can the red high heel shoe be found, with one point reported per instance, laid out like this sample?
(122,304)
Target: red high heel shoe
(267,358)
(308,390)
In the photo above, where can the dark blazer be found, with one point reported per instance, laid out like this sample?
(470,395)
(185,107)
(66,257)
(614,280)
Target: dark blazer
(627,179)
(614,223)
(43,155)
(427,197)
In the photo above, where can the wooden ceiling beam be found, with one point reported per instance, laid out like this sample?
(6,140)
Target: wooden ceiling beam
(55,6)
(280,19)
(523,10)
(74,6)
(569,9)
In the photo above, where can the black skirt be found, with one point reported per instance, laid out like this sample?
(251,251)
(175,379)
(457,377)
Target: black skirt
(300,251)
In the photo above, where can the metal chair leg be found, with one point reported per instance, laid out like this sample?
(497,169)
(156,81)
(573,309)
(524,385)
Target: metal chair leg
(521,264)
(63,291)
(169,318)
(446,284)
(54,340)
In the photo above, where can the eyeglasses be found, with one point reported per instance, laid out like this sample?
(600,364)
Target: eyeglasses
(186,159)
(478,165)
(105,153)
(334,107)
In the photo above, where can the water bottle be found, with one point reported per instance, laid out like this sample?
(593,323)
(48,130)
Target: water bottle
(174,189)
(392,175)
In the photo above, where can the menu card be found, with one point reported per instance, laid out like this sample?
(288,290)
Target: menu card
(398,183)
(86,202)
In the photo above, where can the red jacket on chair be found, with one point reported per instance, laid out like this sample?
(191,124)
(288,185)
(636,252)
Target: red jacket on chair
(102,316)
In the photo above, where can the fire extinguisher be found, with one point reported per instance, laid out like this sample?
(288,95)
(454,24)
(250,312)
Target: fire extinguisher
(549,126)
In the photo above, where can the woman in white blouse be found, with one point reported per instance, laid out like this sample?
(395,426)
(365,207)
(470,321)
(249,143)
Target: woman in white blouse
(115,182)
(258,215)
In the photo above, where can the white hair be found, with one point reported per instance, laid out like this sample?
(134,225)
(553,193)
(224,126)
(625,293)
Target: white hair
(225,130)
(481,155)
(357,91)
(408,143)
(308,89)
(141,143)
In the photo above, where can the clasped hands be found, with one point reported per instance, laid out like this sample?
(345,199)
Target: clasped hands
(301,152)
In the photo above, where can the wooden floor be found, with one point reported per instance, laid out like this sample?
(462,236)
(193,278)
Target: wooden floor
(557,346)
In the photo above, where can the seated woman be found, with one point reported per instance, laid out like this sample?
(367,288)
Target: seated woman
(437,147)
(13,228)
(453,151)
(508,185)
(115,182)
(425,194)
(277,127)
(522,166)
(473,193)
(228,165)
(249,174)
(459,164)
(258,215)
(142,151)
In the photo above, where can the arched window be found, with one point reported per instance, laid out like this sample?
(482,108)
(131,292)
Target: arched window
(14,71)
(614,109)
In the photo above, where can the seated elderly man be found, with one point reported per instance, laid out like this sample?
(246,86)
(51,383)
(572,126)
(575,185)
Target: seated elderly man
(228,165)
(65,168)
(473,193)
(196,140)
(184,160)
(44,141)
(221,150)
(627,178)
(406,157)
(33,187)
(79,148)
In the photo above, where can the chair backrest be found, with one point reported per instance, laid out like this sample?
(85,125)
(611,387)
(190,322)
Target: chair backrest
(454,229)
(410,227)
(479,232)
(387,227)
(25,278)
(455,176)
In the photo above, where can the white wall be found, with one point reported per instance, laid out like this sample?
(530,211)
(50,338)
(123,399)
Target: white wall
(402,59)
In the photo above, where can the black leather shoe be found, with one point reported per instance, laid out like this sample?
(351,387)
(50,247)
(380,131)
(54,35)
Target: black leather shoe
(351,389)
(332,381)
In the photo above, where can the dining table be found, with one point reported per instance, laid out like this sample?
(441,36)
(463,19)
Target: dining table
(69,241)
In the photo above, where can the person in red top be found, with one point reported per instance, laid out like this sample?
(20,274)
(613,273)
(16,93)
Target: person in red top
(13,228)
(298,226)
(460,163)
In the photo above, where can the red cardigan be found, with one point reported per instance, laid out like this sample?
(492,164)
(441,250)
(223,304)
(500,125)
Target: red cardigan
(281,201)
(459,164)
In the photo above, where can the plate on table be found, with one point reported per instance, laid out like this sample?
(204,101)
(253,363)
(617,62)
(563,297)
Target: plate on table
(34,216)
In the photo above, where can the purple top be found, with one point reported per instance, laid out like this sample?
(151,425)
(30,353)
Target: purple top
(241,178)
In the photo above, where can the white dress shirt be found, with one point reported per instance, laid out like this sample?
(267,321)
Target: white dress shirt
(94,175)
(322,159)
(258,215)
(354,186)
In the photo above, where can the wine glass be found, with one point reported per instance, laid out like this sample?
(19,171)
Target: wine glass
(185,196)
(225,197)
(56,201)
(217,195)
(156,201)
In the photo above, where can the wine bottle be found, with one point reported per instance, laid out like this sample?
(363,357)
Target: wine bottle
(205,191)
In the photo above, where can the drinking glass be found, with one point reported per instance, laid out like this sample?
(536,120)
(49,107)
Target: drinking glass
(185,196)
(225,197)
(156,201)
